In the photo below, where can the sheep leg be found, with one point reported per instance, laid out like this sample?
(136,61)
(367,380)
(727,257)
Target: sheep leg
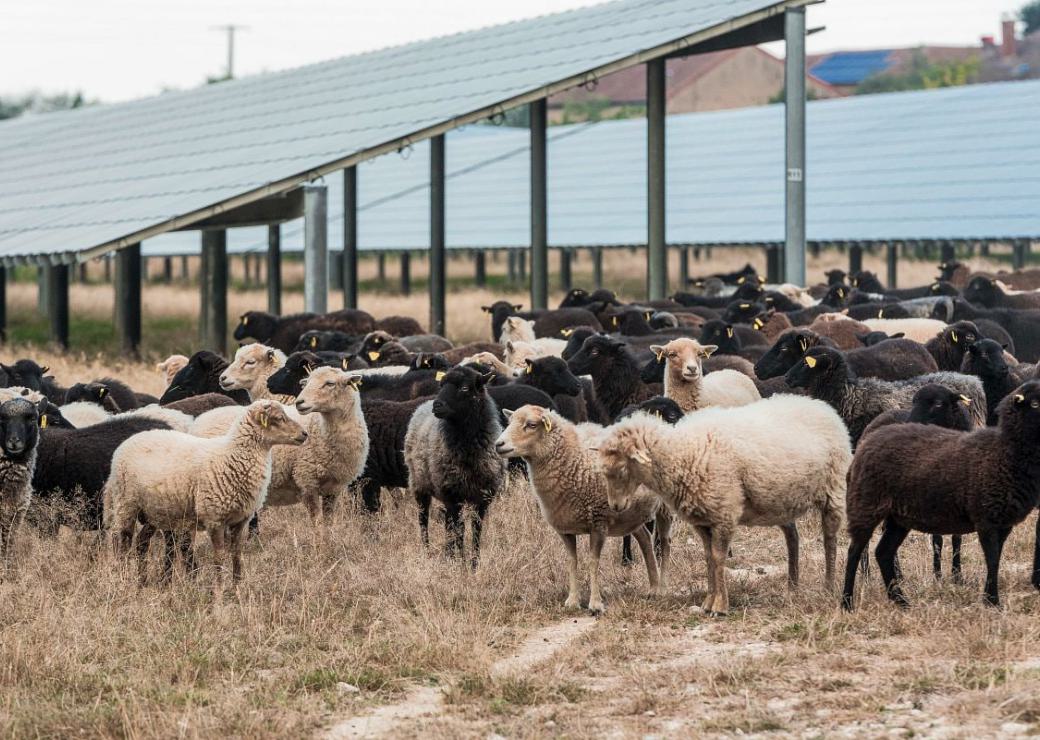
(832,520)
(937,548)
(791,538)
(720,540)
(216,537)
(144,539)
(454,530)
(626,550)
(6,529)
(573,601)
(1035,580)
(476,530)
(858,541)
(663,541)
(254,525)
(885,552)
(313,503)
(235,534)
(646,546)
(370,496)
(992,541)
(596,540)
(423,499)
(955,559)
(709,563)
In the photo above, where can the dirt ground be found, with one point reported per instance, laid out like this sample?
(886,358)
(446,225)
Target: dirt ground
(353,630)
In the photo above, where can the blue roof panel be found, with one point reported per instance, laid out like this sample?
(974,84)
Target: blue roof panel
(851,67)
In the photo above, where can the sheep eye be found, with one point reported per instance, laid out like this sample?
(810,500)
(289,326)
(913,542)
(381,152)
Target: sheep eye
(672,354)
(595,352)
(329,384)
(1034,404)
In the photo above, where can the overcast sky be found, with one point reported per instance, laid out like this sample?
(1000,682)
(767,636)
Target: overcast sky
(121,49)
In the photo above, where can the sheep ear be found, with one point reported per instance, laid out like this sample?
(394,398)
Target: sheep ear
(709,349)
(314,342)
(640,455)
(547,423)
(270,354)
(517,306)
(729,332)
(566,332)
(102,391)
(1019,398)
(487,377)
(509,345)
(898,335)
(530,365)
(965,400)
(486,309)
(355,381)
(263,419)
(507,413)
(803,343)
(658,351)
(44,370)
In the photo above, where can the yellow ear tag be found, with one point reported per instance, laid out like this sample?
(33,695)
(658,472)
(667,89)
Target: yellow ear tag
(803,343)
(528,370)
(740,280)
(566,332)
(881,314)
(648,315)
(547,423)
(263,420)
(344,363)
(102,392)
(439,376)
(355,382)
(314,342)
(614,321)
(245,320)
(1019,398)
(659,355)
(965,400)
(308,369)
(841,292)
(953,336)
(810,361)
(745,306)
(757,323)
(373,356)
(729,331)
(43,421)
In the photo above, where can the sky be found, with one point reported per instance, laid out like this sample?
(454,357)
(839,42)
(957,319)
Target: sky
(115,50)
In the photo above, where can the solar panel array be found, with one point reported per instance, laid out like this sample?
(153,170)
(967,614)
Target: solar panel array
(957,163)
(851,67)
(106,176)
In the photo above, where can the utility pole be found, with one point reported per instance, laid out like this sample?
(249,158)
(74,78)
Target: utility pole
(230,29)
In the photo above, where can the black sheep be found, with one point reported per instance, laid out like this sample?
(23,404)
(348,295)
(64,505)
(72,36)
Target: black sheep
(97,393)
(895,359)
(328,341)
(866,281)
(742,341)
(662,407)
(502,310)
(780,302)
(429,361)
(399,326)
(450,453)
(387,423)
(1023,326)
(835,277)
(748,292)
(985,359)
(575,338)
(949,345)
(551,375)
(575,298)
(743,312)
(877,337)
(614,371)
(73,465)
(985,292)
(825,373)
(19,436)
(201,375)
(939,287)
(196,405)
(551,323)
(940,481)
(283,332)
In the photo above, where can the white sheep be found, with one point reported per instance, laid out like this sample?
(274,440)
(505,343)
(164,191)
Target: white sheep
(489,359)
(170,367)
(518,353)
(920,330)
(19,437)
(249,371)
(687,385)
(516,329)
(176,482)
(762,465)
(572,495)
(84,413)
(336,448)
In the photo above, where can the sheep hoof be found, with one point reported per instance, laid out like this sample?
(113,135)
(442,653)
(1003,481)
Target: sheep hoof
(572,603)
(597,610)
(714,613)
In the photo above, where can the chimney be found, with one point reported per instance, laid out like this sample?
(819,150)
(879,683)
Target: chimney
(1007,38)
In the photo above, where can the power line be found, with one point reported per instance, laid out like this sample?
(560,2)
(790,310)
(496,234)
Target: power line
(230,29)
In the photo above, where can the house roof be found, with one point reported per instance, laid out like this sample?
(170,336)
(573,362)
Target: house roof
(851,67)
(955,163)
(79,183)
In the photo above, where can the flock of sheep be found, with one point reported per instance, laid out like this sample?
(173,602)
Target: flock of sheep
(735,404)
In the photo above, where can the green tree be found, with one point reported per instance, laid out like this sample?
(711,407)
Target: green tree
(1030,15)
(923,75)
(36,102)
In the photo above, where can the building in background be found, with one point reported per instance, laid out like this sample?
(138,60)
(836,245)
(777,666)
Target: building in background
(734,78)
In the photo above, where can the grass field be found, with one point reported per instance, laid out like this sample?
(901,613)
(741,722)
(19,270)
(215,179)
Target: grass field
(355,630)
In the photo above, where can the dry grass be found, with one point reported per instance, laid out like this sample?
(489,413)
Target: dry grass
(86,651)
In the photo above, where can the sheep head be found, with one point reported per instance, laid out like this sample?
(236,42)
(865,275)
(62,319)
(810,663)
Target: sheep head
(684,357)
(526,433)
(169,367)
(258,325)
(625,460)
(252,362)
(272,425)
(462,394)
(328,389)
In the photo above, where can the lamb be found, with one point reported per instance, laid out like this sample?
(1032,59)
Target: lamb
(943,481)
(170,367)
(516,329)
(19,435)
(614,371)
(686,384)
(176,482)
(201,375)
(895,359)
(517,353)
(572,496)
(721,467)
(449,450)
(501,310)
(824,372)
(252,366)
(283,332)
